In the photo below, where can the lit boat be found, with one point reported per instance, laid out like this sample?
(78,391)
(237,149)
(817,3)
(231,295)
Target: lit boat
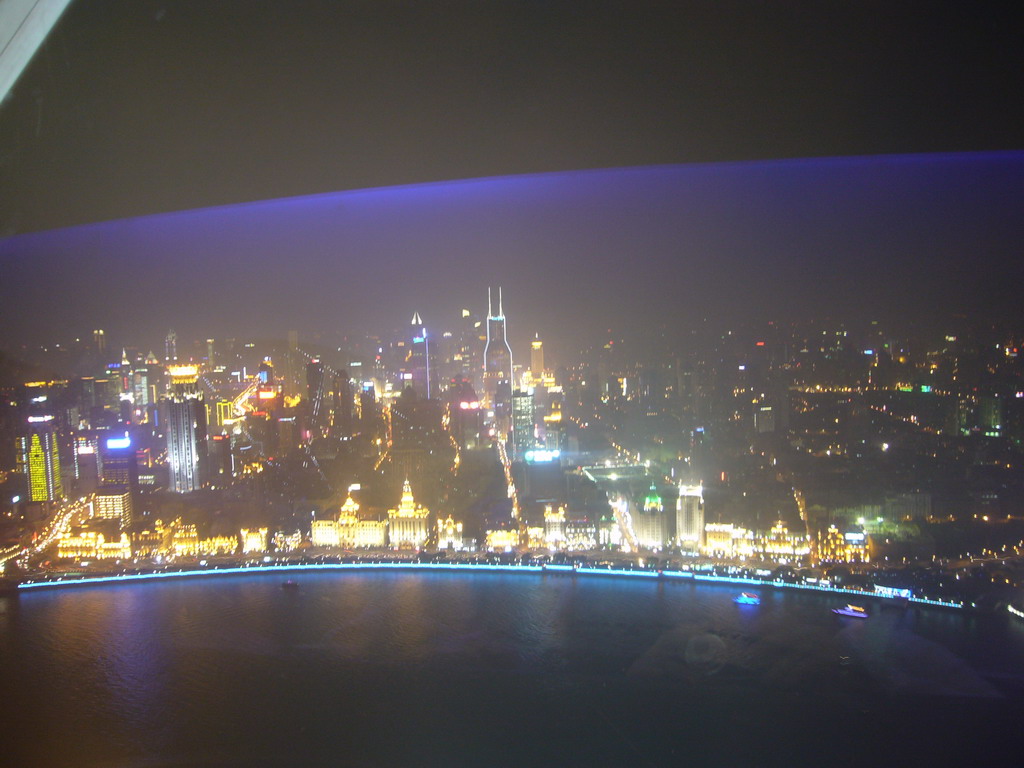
(747,598)
(853,611)
(290,584)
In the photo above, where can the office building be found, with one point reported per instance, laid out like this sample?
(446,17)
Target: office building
(498,368)
(186,430)
(690,517)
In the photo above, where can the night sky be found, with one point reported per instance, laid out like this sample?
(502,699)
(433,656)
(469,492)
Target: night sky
(888,237)
(137,107)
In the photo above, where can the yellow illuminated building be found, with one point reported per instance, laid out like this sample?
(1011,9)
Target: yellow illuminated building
(838,547)
(726,540)
(39,460)
(324,533)
(502,540)
(93,545)
(449,534)
(287,542)
(152,541)
(340,532)
(254,540)
(781,546)
(218,545)
(371,534)
(184,539)
(408,523)
(114,504)
(554,527)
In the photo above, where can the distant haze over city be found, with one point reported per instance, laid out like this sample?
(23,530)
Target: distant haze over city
(636,251)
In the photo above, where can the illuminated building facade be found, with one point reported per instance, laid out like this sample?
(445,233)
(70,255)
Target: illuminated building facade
(94,545)
(498,368)
(502,540)
(286,542)
(537,358)
(407,524)
(554,527)
(449,534)
(324,533)
(218,545)
(651,523)
(39,460)
(690,517)
(114,502)
(523,430)
(580,535)
(186,430)
(781,546)
(419,370)
(184,539)
(836,546)
(725,540)
(254,540)
(371,534)
(118,459)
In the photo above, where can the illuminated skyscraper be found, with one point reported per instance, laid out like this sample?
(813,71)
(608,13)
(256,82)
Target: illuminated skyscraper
(523,427)
(186,429)
(690,517)
(498,367)
(649,523)
(537,357)
(39,460)
(171,347)
(419,366)
(99,340)
(120,467)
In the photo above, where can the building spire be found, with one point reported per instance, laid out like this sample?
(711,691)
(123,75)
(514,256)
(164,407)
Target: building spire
(416,319)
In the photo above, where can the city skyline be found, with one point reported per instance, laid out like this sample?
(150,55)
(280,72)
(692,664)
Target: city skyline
(577,253)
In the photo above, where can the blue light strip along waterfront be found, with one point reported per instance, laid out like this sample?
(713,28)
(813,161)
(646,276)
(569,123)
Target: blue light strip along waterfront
(467,567)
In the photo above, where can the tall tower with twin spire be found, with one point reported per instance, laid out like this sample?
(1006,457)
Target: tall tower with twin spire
(498,367)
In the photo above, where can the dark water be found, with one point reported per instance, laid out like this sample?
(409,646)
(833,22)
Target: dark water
(495,669)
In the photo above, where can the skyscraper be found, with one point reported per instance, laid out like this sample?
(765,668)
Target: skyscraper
(316,391)
(523,425)
(186,429)
(498,368)
(690,517)
(120,466)
(171,347)
(419,366)
(649,522)
(38,458)
(537,357)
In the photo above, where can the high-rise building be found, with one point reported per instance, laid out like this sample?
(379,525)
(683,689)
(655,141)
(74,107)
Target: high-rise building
(186,429)
(498,368)
(316,391)
(690,517)
(118,462)
(523,425)
(537,357)
(421,370)
(99,340)
(171,347)
(114,502)
(39,459)
(650,523)
(343,404)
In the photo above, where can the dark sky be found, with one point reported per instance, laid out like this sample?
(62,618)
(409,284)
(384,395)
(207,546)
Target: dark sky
(139,106)
(893,237)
